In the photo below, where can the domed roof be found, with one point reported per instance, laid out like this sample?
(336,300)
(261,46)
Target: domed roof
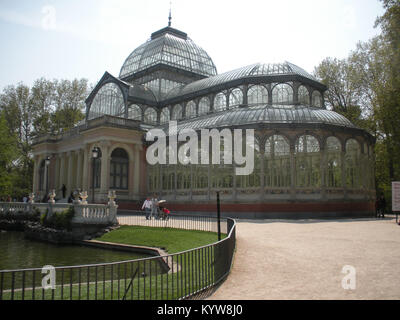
(171,47)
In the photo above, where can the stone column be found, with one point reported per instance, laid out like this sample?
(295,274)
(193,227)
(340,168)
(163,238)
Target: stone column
(62,170)
(57,176)
(69,173)
(36,174)
(131,177)
(135,169)
(79,169)
(105,168)
(86,168)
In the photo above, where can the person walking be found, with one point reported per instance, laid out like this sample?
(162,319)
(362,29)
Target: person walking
(147,207)
(64,190)
(154,207)
(381,206)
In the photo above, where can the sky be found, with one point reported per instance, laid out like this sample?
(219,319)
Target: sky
(68,39)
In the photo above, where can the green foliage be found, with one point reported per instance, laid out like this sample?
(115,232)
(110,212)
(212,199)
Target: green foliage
(48,107)
(20,216)
(59,220)
(8,154)
(365,88)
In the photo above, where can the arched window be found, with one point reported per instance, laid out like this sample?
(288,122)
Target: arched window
(282,93)
(252,180)
(204,106)
(220,102)
(277,162)
(352,163)
(165,115)
(179,181)
(153,177)
(308,162)
(303,95)
(119,169)
(257,95)
(190,110)
(334,168)
(235,98)
(317,99)
(150,116)
(134,112)
(177,112)
(108,100)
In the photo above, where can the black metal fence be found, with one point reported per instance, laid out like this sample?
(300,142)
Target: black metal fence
(184,275)
(179,221)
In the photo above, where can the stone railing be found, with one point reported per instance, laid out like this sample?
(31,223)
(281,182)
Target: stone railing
(84,213)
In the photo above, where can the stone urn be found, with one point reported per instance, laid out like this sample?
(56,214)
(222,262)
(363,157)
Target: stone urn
(31,198)
(76,197)
(84,196)
(112,195)
(52,195)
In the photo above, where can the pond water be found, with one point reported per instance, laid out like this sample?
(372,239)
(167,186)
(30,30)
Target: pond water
(16,252)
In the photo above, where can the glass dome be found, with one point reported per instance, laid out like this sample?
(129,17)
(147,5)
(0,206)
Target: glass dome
(170,47)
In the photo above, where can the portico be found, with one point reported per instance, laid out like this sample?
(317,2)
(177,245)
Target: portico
(119,166)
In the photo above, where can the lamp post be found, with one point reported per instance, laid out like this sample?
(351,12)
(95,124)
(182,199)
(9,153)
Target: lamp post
(95,154)
(218,217)
(47,163)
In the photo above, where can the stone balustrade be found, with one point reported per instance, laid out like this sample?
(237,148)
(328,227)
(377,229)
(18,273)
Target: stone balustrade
(84,213)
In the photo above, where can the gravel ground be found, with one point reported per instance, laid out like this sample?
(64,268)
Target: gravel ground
(304,260)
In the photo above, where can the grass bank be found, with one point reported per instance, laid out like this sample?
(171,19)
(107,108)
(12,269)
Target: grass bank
(169,239)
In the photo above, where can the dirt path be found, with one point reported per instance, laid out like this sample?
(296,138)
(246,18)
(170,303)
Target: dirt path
(304,260)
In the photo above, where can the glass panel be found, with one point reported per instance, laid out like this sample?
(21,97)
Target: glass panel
(150,116)
(316,99)
(308,162)
(334,170)
(235,98)
(177,112)
(134,112)
(303,95)
(256,95)
(204,106)
(165,116)
(220,102)
(108,100)
(277,162)
(282,93)
(190,110)
(352,163)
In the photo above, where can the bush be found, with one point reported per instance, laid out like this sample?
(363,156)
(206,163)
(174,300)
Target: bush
(59,220)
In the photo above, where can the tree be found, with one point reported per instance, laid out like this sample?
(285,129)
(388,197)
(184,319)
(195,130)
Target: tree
(8,154)
(49,107)
(342,94)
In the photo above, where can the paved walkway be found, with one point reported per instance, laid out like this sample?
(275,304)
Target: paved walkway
(304,260)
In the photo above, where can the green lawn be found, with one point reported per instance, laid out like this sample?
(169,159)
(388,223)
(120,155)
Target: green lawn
(169,239)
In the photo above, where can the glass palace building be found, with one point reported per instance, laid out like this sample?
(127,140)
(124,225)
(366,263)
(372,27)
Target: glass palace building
(309,161)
